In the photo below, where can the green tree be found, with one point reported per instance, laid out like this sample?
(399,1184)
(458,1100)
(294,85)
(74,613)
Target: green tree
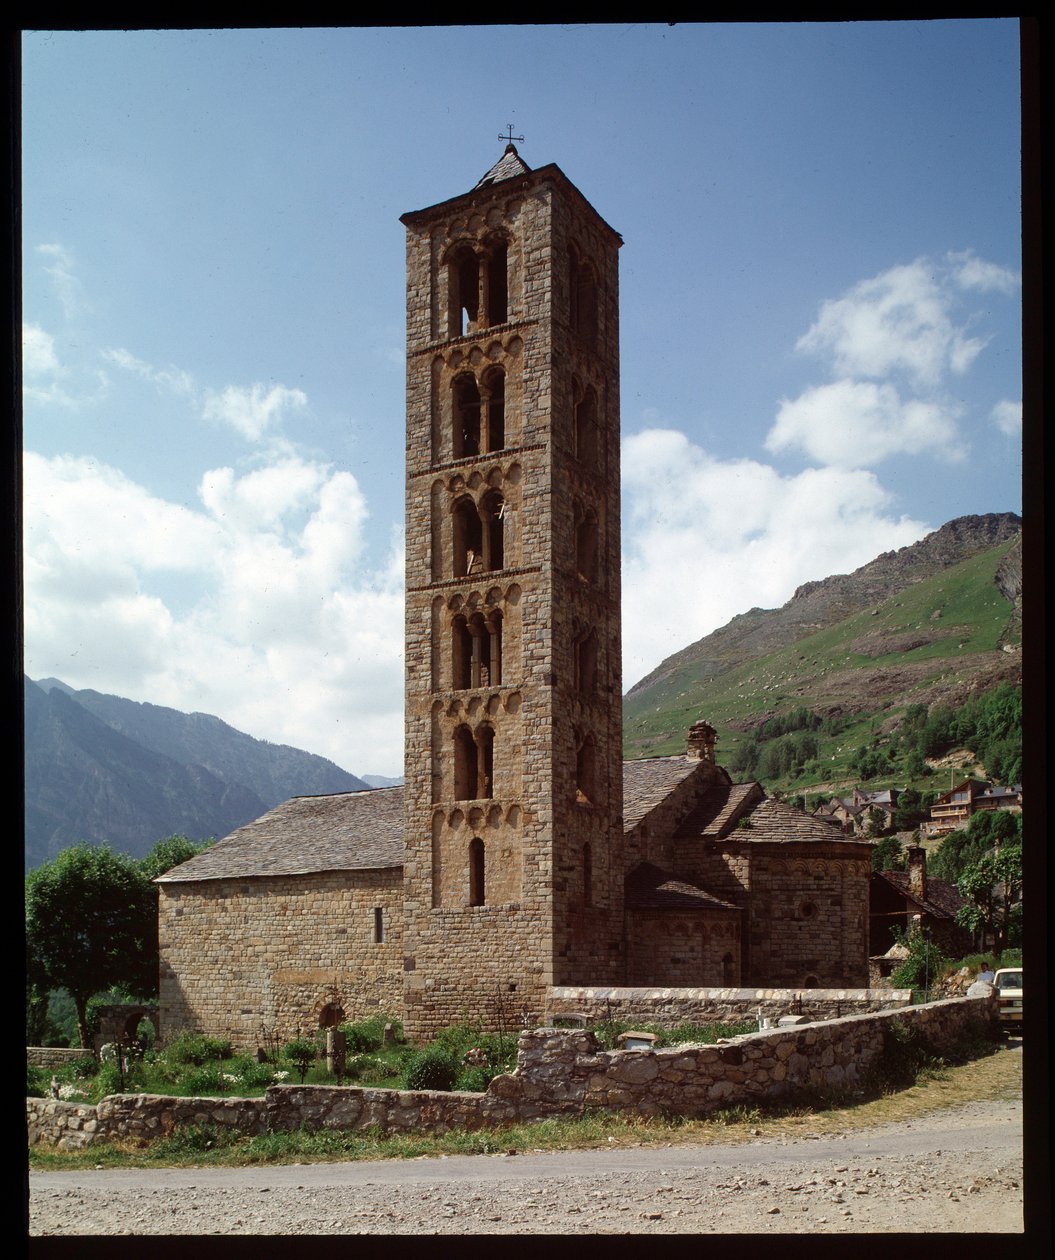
(993,887)
(91,923)
(888,855)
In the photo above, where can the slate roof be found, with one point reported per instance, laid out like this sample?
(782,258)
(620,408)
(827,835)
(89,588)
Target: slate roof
(350,831)
(772,822)
(362,831)
(648,887)
(508,166)
(942,901)
(648,783)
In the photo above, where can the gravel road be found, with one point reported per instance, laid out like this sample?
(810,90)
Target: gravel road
(952,1171)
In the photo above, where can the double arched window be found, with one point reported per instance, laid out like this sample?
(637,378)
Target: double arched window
(474,763)
(478,411)
(477,285)
(476,651)
(479,534)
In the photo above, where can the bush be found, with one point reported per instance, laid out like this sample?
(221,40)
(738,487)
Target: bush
(923,967)
(302,1053)
(37,1082)
(474,1080)
(434,1068)
(906,1053)
(83,1069)
(366,1035)
(197,1049)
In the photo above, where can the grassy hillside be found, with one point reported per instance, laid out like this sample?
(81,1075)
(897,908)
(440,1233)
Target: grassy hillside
(931,642)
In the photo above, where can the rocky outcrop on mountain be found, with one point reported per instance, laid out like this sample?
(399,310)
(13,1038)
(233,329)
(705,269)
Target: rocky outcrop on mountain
(816,605)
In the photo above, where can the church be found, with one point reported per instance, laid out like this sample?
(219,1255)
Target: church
(522,852)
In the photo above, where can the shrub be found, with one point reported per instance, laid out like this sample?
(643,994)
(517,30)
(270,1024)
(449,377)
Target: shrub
(906,1053)
(366,1035)
(37,1082)
(302,1053)
(83,1069)
(475,1080)
(433,1068)
(198,1049)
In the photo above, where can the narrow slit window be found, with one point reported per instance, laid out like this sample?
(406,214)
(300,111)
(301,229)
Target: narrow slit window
(477,891)
(379,925)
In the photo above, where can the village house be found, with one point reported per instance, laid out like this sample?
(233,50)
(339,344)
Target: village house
(855,812)
(522,853)
(953,810)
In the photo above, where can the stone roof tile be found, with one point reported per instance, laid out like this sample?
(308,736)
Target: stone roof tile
(649,887)
(508,166)
(350,831)
(648,783)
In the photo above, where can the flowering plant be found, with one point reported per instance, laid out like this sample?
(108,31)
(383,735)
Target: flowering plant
(476,1057)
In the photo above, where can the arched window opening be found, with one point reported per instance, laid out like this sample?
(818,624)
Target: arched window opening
(495,410)
(485,738)
(493,510)
(465,765)
(586,771)
(587,875)
(461,654)
(463,280)
(583,299)
(586,664)
(465,415)
(331,1015)
(586,533)
(476,872)
(586,427)
(498,283)
(494,651)
(468,537)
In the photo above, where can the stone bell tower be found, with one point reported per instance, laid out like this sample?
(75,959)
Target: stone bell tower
(513,865)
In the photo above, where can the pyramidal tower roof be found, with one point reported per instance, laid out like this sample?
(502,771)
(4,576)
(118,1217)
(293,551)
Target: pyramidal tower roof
(508,166)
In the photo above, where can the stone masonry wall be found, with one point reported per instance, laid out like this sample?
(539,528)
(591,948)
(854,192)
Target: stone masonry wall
(302,943)
(558,1073)
(708,1006)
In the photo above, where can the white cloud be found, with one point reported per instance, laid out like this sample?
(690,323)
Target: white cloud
(896,322)
(289,635)
(252,411)
(971,272)
(1007,416)
(38,352)
(705,539)
(59,266)
(174,379)
(854,424)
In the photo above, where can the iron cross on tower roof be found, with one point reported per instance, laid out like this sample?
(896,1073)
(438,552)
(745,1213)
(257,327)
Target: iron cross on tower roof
(510,138)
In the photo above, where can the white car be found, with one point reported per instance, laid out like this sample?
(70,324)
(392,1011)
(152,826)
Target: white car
(1008,985)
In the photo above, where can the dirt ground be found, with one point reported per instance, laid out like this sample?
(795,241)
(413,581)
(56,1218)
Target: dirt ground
(957,1171)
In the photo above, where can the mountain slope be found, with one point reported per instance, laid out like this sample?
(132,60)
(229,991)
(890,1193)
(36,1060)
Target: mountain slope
(918,625)
(104,769)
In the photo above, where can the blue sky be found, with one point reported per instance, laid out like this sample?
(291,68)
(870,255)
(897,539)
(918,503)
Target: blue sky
(820,328)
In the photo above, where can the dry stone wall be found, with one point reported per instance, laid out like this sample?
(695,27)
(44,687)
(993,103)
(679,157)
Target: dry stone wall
(558,1072)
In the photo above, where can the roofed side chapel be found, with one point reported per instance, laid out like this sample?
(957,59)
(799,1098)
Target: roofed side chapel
(522,852)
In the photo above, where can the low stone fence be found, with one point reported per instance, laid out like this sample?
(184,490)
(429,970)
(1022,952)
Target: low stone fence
(71,1125)
(558,1072)
(668,1007)
(54,1056)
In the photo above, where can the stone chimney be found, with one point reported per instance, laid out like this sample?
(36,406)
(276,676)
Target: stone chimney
(917,871)
(701,742)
